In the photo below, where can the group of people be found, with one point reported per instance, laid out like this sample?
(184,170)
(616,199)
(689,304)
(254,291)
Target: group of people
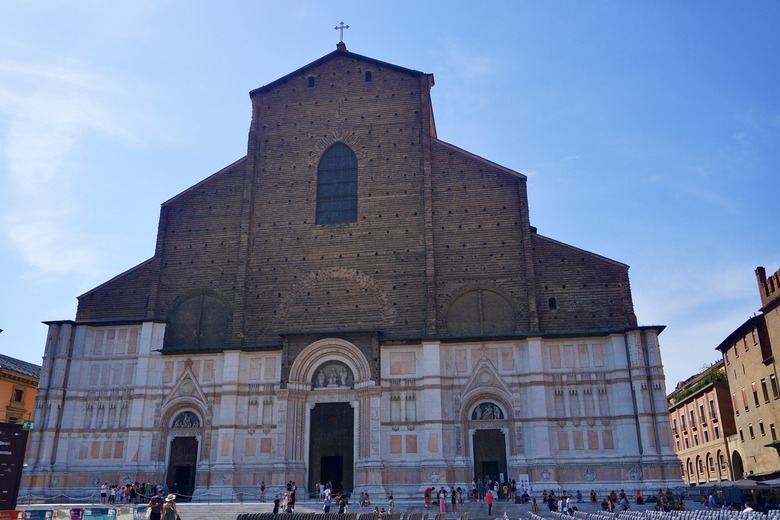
(134,493)
(455,498)
(562,503)
(712,505)
(480,487)
(341,500)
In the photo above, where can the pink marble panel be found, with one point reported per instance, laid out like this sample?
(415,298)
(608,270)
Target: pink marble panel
(433,443)
(555,357)
(582,350)
(98,348)
(168,372)
(395,444)
(121,341)
(598,354)
(255,366)
(606,439)
(132,346)
(569,356)
(270,369)
(265,445)
(250,447)
(593,440)
(563,440)
(461,360)
(411,443)
(507,359)
(402,363)
(579,440)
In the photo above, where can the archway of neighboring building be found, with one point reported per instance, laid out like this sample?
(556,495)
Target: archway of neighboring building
(736,465)
(182,465)
(331,445)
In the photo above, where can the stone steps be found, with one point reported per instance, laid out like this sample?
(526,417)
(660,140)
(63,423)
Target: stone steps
(231,510)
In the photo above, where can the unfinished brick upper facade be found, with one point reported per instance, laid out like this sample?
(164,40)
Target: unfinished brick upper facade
(434,221)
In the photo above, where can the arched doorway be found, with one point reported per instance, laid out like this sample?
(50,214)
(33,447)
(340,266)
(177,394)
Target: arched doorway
(490,455)
(489,443)
(183,455)
(336,400)
(736,465)
(331,445)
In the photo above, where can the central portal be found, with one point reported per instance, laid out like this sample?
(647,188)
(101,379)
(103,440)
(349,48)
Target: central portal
(332,445)
(490,455)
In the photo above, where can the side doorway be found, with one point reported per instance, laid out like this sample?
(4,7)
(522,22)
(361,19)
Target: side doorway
(182,466)
(490,455)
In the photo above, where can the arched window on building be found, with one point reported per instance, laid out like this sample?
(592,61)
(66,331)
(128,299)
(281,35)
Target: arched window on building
(337,186)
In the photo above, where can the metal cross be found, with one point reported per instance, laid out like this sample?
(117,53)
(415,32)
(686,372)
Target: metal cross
(340,27)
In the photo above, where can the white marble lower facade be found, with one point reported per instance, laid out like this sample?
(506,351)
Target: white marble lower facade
(574,413)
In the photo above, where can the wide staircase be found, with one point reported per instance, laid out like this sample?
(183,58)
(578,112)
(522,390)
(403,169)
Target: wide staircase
(312,510)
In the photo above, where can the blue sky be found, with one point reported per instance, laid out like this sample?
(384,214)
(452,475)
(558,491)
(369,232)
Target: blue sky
(649,131)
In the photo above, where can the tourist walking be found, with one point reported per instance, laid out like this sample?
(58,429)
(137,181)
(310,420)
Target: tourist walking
(155,506)
(169,509)
(489,502)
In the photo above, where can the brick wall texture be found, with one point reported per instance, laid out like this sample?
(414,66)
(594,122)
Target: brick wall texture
(435,223)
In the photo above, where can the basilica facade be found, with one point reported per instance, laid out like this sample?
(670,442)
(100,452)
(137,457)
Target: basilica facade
(354,301)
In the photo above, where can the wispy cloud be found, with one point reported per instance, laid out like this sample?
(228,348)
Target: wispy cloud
(48,111)
(668,293)
(700,307)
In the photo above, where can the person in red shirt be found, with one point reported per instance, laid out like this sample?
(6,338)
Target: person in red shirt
(489,502)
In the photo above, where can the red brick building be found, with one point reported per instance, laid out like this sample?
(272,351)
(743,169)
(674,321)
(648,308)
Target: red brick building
(357,301)
(751,367)
(702,418)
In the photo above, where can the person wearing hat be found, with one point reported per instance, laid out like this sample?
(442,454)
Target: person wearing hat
(155,506)
(169,509)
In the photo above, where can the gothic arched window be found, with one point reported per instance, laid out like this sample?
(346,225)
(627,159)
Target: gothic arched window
(337,186)
(200,322)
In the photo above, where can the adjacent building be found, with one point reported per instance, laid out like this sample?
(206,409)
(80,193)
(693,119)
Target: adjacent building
(751,368)
(356,301)
(18,386)
(702,417)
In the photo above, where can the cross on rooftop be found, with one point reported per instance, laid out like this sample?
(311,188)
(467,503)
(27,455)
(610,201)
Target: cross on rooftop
(340,27)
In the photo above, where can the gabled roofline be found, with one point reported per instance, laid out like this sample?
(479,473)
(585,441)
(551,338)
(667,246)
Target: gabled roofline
(195,186)
(583,251)
(336,54)
(480,159)
(120,275)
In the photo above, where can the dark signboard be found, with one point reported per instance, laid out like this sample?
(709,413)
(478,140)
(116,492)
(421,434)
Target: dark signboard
(13,442)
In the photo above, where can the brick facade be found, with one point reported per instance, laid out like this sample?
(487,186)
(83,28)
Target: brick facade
(438,299)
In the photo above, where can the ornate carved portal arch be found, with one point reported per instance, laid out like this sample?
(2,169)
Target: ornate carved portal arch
(331,395)
(305,367)
(183,426)
(489,420)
